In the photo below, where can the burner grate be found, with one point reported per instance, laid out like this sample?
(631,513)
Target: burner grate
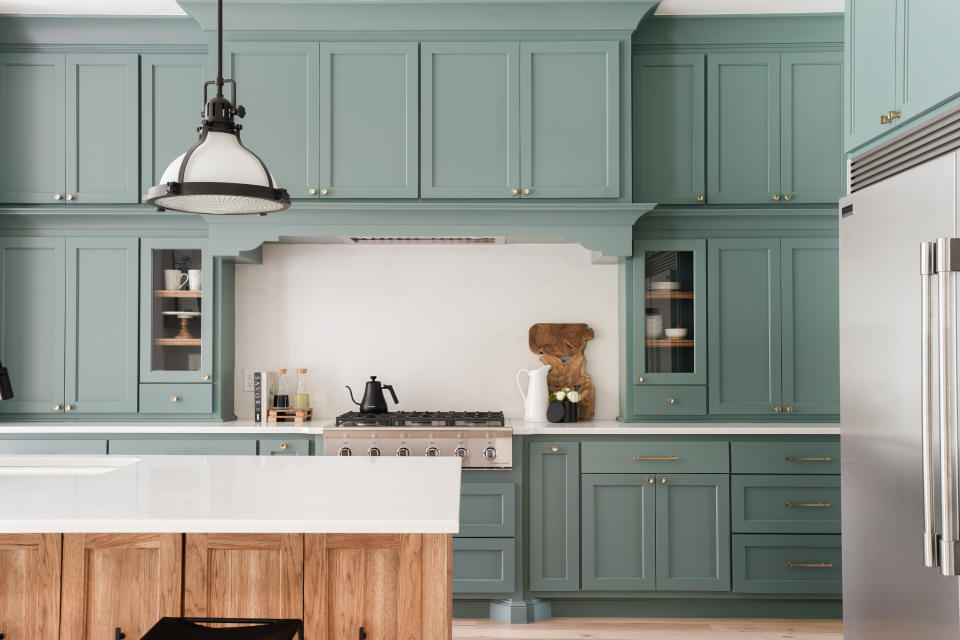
(422,418)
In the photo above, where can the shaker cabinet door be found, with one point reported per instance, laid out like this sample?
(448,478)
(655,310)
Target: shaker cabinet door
(929,44)
(102,129)
(871,67)
(743,128)
(32,120)
(470,119)
(369,120)
(570,119)
(32,289)
(555,516)
(30,588)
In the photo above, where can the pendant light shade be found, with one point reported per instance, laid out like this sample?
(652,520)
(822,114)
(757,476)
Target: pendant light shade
(218,174)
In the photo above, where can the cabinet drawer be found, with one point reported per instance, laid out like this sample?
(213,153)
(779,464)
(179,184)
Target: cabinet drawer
(176,398)
(41,447)
(484,565)
(786,564)
(487,510)
(786,504)
(283,447)
(820,457)
(179,447)
(660,456)
(656,401)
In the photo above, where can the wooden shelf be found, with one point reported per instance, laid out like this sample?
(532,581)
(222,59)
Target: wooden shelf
(179,293)
(670,342)
(669,295)
(177,342)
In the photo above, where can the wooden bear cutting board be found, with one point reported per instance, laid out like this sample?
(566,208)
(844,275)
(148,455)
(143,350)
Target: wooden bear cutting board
(561,346)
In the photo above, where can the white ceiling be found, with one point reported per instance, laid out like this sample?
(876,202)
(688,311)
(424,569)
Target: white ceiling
(170,7)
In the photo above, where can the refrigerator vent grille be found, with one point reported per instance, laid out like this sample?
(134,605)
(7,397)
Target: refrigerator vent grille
(936,137)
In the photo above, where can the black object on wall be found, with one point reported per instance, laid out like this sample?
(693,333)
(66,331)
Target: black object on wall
(6,389)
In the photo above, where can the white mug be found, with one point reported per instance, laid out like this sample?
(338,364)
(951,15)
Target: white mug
(174,279)
(194,279)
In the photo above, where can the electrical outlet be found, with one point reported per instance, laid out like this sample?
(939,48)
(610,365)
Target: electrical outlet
(248,380)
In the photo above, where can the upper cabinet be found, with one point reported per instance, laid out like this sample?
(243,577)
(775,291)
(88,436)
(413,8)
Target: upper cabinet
(898,54)
(69,127)
(508,120)
(738,128)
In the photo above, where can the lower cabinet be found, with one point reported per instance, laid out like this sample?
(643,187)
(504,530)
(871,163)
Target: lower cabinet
(484,565)
(787,564)
(192,446)
(44,447)
(122,582)
(30,586)
(664,532)
(555,516)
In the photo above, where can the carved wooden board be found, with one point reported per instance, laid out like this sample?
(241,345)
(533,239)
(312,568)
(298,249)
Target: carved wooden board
(561,346)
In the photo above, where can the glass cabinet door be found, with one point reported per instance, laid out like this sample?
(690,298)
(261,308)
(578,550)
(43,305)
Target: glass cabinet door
(670,322)
(175,322)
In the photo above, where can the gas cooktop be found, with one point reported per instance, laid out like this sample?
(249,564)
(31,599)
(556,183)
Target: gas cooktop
(422,419)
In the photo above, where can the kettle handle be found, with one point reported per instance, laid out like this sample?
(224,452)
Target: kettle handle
(519,386)
(389,387)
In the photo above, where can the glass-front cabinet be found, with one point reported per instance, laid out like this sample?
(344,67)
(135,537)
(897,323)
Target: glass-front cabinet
(670,326)
(176,320)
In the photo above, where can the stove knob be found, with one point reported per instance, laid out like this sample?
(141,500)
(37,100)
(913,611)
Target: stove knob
(489,454)
(433,452)
(373,451)
(403,451)
(344,451)
(461,452)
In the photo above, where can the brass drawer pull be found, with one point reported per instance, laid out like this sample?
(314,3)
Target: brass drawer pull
(283,445)
(812,565)
(174,398)
(554,448)
(672,458)
(808,459)
(807,504)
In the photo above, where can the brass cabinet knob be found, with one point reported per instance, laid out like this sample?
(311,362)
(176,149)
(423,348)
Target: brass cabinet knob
(700,198)
(174,398)
(671,400)
(649,480)
(663,480)
(885,119)
(67,407)
(143,197)
(57,196)
(776,196)
(56,407)
(283,445)
(788,197)
(312,192)
(789,409)
(893,115)
(778,409)
(204,376)
(554,448)
(526,192)
(324,192)
(69,197)
(639,378)
(513,192)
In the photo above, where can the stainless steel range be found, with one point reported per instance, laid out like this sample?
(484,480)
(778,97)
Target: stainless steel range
(480,438)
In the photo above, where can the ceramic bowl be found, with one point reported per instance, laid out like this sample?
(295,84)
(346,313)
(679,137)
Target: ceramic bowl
(676,332)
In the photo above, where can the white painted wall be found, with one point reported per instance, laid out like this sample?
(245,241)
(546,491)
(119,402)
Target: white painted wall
(447,326)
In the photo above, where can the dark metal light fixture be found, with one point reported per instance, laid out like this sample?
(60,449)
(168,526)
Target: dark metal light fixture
(218,174)
(6,391)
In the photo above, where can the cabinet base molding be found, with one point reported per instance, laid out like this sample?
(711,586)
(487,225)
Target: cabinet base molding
(520,611)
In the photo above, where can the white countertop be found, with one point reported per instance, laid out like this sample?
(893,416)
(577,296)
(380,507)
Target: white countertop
(230,494)
(591,427)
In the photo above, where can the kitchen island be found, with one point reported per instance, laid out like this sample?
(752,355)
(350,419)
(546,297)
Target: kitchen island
(92,544)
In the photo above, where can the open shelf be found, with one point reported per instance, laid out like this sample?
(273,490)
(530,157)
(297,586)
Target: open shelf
(669,295)
(177,293)
(670,342)
(177,342)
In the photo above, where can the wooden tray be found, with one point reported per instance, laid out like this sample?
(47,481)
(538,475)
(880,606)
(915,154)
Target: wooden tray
(289,415)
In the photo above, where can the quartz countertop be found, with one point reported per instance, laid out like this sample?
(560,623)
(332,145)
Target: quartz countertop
(590,427)
(228,494)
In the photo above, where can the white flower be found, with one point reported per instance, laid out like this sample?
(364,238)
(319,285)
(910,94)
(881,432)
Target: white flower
(561,395)
(574,396)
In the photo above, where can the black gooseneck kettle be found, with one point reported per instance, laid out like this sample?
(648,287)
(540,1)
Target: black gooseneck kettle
(373,399)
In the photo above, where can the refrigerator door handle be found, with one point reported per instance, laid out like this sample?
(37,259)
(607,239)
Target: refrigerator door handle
(928,278)
(948,263)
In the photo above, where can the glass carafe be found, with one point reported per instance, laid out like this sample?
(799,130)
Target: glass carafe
(302,399)
(281,399)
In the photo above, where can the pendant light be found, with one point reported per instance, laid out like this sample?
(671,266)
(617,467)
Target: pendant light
(219,175)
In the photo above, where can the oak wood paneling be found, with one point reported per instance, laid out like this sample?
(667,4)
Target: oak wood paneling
(30,586)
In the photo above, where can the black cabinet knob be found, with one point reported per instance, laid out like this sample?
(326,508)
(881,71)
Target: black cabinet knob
(363,634)
(118,635)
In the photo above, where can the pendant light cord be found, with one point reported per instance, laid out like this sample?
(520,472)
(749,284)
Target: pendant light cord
(219,48)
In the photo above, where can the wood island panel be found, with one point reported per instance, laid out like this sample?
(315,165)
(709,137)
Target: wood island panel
(119,580)
(30,586)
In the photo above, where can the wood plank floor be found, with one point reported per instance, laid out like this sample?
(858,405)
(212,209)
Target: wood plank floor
(649,629)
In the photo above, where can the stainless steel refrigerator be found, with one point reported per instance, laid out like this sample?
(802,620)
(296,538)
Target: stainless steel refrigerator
(898,390)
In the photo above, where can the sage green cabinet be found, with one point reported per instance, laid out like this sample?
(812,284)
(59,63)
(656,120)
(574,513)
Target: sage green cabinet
(32,314)
(176,398)
(786,504)
(283,447)
(773,318)
(101,325)
(570,119)
(929,39)
(669,128)
(487,510)
(170,110)
(787,564)
(182,447)
(554,516)
(693,532)
(743,127)
(470,119)
(70,128)
(871,46)
(49,446)
(279,85)
(619,532)
(484,565)
(32,120)
(369,119)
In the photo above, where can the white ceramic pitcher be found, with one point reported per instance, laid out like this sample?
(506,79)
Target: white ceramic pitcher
(536,399)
